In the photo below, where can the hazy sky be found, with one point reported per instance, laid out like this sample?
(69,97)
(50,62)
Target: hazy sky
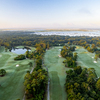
(49,13)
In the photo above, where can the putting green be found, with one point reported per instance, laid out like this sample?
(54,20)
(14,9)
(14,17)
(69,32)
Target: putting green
(86,59)
(12,87)
(57,73)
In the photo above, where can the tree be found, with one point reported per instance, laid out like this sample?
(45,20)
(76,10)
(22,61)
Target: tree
(35,84)
(89,49)
(78,69)
(47,46)
(2,72)
(30,63)
(98,84)
(75,56)
(90,80)
(96,57)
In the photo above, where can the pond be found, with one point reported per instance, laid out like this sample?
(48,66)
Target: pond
(19,51)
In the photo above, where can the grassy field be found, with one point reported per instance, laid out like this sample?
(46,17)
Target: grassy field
(1,49)
(20,47)
(57,73)
(86,59)
(12,87)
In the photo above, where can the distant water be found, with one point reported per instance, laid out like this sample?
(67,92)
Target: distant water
(19,51)
(70,33)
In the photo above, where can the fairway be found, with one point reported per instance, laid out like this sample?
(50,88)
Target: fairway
(57,73)
(12,86)
(86,59)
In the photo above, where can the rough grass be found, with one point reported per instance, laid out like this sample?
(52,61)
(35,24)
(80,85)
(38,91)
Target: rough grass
(1,49)
(12,87)
(85,59)
(57,73)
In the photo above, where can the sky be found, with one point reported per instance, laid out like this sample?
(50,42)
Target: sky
(49,14)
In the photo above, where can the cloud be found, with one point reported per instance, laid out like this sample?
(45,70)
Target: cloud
(84,11)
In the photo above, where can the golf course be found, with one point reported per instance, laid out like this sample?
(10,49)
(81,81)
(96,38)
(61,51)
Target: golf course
(86,59)
(11,85)
(57,73)
(54,62)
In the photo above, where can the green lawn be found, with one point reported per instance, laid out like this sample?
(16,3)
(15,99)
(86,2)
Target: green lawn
(85,59)
(57,73)
(12,86)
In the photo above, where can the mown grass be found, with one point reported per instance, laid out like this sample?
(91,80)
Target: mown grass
(55,85)
(85,59)
(57,73)
(12,86)
(20,47)
(3,59)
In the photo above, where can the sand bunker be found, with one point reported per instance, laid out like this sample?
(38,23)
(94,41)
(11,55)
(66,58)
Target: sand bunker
(17,65)
(85,52)
(77,47)
(92,57)
(59,55)
(59,49)
(0,55)
(95,61)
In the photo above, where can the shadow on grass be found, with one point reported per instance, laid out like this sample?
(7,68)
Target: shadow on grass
(55,87)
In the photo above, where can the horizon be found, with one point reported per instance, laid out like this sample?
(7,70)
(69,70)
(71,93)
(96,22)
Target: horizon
(53,14)
(38,28)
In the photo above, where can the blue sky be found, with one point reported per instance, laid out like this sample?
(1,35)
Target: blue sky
(49,13)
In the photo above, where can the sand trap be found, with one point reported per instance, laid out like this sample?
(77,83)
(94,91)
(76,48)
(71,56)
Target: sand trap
(95,61)
(17,65)
(85,52)
(76,47)
(92,57)
(59,49)
(59,55)
(0,55)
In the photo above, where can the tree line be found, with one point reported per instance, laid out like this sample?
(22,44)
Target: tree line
(36,82)
(81,83)
(20,57)
(11,39)
(67,52)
